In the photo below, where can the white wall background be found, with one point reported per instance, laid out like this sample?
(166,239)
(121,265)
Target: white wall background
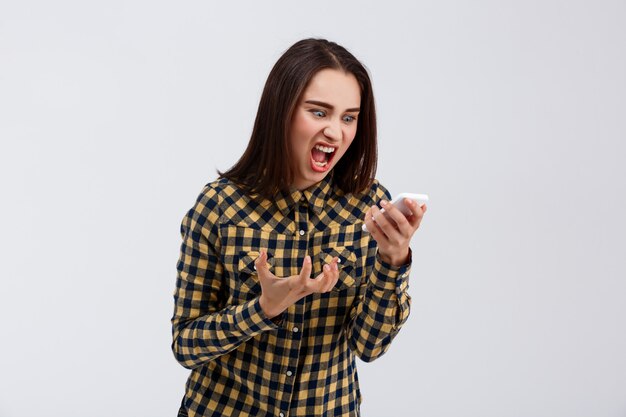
(511,115)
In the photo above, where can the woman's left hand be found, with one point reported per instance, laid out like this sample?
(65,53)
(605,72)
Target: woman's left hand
(393,231)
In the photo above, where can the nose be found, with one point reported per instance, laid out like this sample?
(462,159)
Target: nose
(333,131)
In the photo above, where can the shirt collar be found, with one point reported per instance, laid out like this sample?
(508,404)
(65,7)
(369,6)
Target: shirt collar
(315,195)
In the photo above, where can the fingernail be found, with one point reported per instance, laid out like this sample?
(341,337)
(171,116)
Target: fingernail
(383,203)
(307,259)
(326,268)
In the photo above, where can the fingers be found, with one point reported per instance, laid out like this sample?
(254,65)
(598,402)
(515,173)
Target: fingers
(369,221)
(384,225)
(262,267)
(325,281)
(305,272)
(418,213)
(260,264)
(303,283)
(405,225)
(330,275)
(395,214)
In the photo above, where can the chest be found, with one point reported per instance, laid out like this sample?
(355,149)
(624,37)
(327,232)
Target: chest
(287,242)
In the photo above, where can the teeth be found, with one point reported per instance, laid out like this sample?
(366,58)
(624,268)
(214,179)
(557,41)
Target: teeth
(320,164)
(325,149)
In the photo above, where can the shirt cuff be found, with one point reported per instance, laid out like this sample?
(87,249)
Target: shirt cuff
(389,277)
(251,319)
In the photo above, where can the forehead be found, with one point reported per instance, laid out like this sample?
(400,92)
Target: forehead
(339,88)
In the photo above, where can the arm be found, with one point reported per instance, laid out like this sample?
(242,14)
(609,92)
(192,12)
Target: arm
(380,311)
(384,303)
(202,327)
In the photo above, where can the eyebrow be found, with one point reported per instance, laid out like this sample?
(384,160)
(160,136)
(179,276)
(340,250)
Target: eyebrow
(330,106)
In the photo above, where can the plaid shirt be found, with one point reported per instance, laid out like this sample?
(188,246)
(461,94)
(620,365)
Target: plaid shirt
(301,363)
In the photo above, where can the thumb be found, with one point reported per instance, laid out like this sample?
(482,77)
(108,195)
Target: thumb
(307,267)
(260,264)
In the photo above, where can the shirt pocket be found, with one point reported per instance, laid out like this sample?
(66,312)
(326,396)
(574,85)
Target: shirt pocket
(347,263)
(250,286)
(241,246)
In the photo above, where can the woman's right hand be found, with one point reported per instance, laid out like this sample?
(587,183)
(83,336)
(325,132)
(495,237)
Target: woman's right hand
(279,293)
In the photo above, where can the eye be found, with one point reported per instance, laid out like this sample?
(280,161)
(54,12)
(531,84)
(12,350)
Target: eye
(318,113)
(349,119)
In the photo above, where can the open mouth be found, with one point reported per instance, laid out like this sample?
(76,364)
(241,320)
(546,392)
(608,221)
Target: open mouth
(322,155)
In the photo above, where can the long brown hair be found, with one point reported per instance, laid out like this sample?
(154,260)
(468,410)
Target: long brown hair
(263,168)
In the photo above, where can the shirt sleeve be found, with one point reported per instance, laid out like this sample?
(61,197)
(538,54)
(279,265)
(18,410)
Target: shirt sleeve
(202,327)
(383,304)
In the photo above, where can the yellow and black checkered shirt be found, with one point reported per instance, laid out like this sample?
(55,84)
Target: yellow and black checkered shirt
(301,363)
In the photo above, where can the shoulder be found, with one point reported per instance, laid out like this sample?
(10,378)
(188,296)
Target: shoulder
(212,200)
(353,206)
(373,194)
(210,196)
(379,191)
(215,192)
(225,202)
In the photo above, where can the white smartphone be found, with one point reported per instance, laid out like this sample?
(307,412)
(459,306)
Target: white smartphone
(398,201)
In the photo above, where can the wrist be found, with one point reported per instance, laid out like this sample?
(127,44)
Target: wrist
(269,311)
(397,260)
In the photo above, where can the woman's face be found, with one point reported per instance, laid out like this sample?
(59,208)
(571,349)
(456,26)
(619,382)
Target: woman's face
(323,125)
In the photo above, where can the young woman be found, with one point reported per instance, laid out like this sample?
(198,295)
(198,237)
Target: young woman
(278,287)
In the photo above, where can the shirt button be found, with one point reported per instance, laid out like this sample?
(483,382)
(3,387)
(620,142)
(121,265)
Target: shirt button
(289,373)
(295,330)
(302,199)
(302,232)
(281,414)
